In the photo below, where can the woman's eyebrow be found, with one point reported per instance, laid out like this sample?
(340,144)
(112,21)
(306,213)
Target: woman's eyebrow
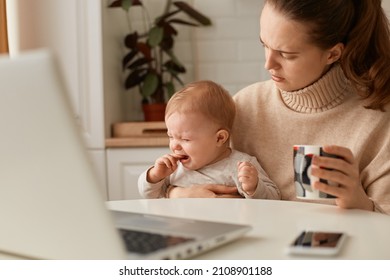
(281,51)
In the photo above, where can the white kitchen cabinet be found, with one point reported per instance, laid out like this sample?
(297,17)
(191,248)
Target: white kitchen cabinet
(72,31)
(124,165)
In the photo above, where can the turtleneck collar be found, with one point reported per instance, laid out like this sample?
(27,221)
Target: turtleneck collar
(326,93)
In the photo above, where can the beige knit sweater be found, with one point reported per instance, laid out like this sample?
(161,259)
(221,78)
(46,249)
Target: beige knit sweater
(269,122)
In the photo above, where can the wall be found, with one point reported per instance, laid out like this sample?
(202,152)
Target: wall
(228,52)
(77,44)
(386,6)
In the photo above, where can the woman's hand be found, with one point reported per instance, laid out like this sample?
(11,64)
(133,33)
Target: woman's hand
(344,172)
(204,191)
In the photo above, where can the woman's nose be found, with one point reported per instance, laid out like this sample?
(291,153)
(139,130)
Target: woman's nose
(270,61)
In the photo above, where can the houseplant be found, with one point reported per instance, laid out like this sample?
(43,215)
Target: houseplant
(150,62)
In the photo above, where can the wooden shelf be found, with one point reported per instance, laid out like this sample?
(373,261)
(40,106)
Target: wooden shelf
(138,134)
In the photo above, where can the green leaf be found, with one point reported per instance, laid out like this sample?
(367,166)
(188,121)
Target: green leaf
(150,85)
(126,4)
(155,36)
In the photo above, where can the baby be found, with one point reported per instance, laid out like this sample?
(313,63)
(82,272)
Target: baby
(199,119)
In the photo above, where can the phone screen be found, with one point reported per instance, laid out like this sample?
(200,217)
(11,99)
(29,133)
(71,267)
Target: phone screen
(318,239)
(317,243)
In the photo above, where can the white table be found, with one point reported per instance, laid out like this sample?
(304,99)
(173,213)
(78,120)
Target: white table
(275,224)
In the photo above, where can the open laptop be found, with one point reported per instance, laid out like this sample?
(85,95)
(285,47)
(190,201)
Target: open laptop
(50,202)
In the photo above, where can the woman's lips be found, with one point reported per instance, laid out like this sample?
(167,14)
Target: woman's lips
(277,78)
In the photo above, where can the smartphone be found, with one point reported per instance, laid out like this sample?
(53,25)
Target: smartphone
(317,243)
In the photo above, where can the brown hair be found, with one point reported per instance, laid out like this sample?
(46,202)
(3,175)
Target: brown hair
(206,97)
(362,26)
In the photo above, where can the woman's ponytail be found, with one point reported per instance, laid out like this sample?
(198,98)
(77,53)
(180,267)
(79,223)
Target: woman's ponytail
(366,58)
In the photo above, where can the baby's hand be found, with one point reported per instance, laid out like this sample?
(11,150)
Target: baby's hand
(248,177)
(163,167)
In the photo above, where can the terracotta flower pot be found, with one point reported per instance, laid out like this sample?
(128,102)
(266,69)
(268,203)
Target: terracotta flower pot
(154,112)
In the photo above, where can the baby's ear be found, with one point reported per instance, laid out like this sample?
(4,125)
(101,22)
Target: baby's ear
(222,137)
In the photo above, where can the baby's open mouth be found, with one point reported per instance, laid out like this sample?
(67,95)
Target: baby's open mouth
(184,158)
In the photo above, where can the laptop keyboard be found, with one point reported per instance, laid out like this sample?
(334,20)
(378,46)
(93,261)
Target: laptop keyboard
(144,242)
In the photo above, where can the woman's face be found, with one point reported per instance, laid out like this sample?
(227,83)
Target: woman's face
(291,59)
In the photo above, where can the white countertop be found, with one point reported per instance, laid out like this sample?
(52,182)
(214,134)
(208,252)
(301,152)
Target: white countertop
(275,224)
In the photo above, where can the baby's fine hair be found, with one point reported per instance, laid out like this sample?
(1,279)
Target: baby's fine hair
(207,98)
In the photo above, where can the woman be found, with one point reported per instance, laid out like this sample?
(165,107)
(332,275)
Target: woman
(330,69)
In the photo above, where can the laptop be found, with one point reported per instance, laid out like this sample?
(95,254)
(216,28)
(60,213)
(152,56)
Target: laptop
(51,206)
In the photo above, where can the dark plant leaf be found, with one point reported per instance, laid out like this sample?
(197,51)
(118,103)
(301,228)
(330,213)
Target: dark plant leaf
(115,4)
(131,40)
(124,4)
(179,21)
(199,17)
(158,96)
(169,29)
(155,36)
(174,68)
(173,58)
(128,57)
(177,78)
(139,62)
(167,43)
(149,85)
(160,20)
(135,78)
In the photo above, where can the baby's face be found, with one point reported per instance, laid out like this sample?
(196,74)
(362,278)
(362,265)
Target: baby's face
(194,137)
